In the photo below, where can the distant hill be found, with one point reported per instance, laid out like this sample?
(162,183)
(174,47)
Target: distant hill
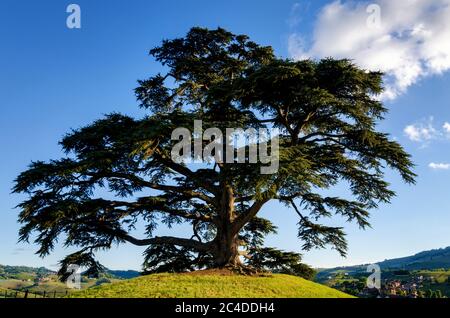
(25,272)
(123,274)
(426,260)
(433,259)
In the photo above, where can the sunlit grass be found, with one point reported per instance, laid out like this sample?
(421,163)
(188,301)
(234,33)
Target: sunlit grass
(206,286)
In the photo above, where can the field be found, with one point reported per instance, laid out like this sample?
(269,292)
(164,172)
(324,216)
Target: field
(51,287)
(212,286)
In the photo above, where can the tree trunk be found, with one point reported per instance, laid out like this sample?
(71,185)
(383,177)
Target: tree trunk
(226,251)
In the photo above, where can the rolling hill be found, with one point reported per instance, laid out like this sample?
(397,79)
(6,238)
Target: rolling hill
(26,272)
(433,259)
(15,280)
(426,260)
(212,285)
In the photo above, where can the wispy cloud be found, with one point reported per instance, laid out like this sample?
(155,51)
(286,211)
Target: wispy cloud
(295,15)
(439,166)
(410,42)
(422,131)
(425,131)
(299,10)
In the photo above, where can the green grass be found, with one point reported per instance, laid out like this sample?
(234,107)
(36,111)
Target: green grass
(210,286)
(14,284)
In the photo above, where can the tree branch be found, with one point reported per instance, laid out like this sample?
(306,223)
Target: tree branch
(321,134)
(244,218)
(121,234)
(304,219)
(156,186)
(142,205)
(185,171)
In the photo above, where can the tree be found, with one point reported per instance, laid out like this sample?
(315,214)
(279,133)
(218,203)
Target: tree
(326,112)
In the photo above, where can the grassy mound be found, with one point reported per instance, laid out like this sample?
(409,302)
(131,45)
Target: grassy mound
(211,285)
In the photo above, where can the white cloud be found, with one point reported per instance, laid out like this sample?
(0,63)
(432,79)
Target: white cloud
(411,41)
(422,132)
(446,127)
(439,166)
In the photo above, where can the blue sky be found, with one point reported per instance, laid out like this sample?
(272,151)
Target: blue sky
(53,79)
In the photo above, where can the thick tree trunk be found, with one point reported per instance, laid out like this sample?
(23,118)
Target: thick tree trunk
(227,249)
(226,243)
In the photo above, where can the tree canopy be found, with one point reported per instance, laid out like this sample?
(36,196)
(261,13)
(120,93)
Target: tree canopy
(326,112)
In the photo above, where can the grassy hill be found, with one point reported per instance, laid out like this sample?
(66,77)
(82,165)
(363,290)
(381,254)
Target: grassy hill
(211,285)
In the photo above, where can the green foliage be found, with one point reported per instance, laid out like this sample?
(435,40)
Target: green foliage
(352,287)
(401,272)
(168,259)
(327,115)
(280,262)
(82,259)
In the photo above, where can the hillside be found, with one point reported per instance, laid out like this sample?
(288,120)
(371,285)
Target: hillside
(413,276)
(23,272)
(212,285)
(18,279)
(433,259)
(426,260)
(26,272)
